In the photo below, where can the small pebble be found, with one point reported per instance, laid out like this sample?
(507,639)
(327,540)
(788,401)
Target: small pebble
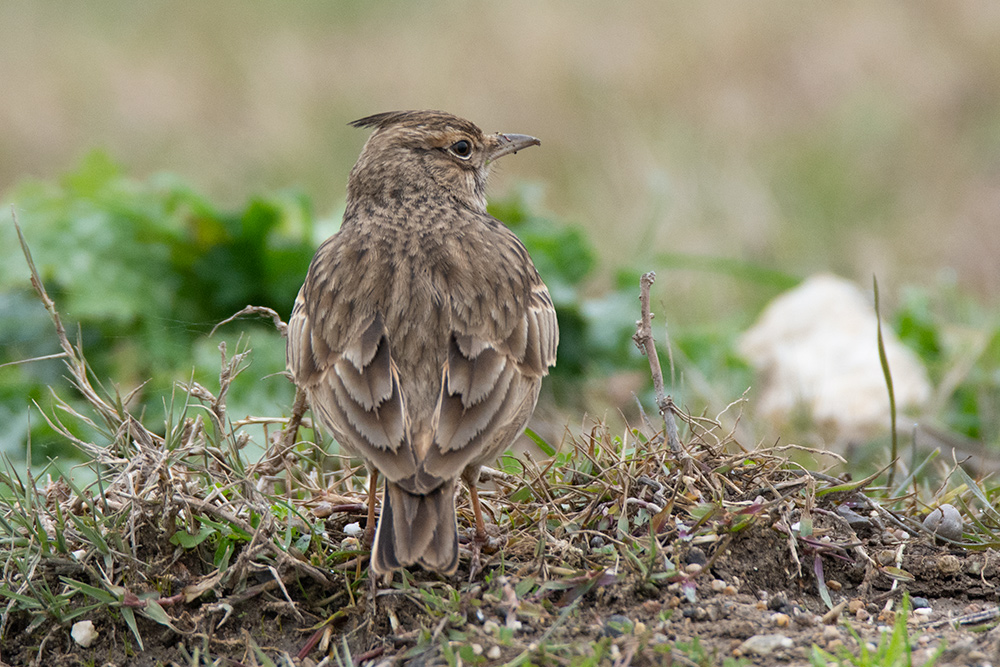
(322,510)
(693,568)
(765,644)
(493,653)
(834,585)
(854,605)
(729,590)
(695,613)
(84,633)
(919,602)
(781,620)
(806,619)
(718,585)
(831,632)
(945,521)
(777,602)
(491,627)
(476,648)
(353,529)
(696,556)
(949,564)
(652,606)
(862,615)
(831,617)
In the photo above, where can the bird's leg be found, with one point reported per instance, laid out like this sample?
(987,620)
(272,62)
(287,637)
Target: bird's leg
(475,564)
(292,428)
(477,510)
(369,536)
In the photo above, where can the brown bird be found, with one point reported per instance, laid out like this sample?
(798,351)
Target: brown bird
(423,331)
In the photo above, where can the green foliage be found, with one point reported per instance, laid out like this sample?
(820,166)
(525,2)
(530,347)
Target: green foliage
(960,345)
(144,269)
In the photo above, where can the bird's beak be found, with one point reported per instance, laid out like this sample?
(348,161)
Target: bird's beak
(511,143)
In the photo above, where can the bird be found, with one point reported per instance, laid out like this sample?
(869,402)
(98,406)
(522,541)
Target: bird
(423,330)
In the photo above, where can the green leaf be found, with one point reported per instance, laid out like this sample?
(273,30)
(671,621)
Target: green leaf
(154,611)
(99,594)
(132,625)
(186,540)
(548,449)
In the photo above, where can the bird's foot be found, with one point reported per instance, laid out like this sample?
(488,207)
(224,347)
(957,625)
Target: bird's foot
(489,541)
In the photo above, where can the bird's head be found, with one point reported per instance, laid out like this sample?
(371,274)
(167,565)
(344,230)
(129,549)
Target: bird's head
(423,152)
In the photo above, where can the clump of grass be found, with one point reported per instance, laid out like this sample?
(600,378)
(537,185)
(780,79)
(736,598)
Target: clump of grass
(171,516)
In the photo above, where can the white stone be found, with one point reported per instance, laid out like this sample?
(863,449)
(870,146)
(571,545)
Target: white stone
(815,349)
(765,644)
(84,633)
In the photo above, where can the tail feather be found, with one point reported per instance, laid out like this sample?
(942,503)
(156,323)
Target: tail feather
(417,529)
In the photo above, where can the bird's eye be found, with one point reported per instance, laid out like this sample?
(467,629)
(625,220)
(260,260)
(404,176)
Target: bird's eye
(462,149)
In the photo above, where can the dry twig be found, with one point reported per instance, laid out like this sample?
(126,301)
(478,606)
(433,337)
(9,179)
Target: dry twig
(647,345)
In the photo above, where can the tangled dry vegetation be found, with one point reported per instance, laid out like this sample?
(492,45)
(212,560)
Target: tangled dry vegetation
(612,548)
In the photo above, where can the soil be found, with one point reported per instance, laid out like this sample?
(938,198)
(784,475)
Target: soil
(742,598)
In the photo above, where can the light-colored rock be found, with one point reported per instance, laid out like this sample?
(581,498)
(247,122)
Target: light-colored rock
(945,521)
(765,644)
(84,633)
(815,349)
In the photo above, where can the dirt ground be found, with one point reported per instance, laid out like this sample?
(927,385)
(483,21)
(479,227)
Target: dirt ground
(742,597)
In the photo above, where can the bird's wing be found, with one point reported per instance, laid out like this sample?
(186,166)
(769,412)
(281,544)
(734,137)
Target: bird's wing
(491,379)
(342,359)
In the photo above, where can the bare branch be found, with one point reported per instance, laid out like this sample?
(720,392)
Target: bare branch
(647,345)
(263,311)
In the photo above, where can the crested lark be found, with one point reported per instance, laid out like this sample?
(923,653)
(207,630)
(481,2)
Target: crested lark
(422,332)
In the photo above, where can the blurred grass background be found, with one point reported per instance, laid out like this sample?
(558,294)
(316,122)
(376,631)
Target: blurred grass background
(725,146)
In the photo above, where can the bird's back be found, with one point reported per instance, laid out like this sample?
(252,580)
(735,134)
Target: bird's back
(429,275)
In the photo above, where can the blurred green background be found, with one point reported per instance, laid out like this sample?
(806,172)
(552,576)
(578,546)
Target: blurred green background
(730,147)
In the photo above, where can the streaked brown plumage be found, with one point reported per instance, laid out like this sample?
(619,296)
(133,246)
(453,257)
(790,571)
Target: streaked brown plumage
(422,332)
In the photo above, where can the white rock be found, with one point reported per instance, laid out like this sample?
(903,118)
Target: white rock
(84,633)
(353,529)
(945,521)
(815,349)
(765,644)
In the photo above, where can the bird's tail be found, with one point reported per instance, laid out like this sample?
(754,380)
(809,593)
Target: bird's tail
(417,529)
